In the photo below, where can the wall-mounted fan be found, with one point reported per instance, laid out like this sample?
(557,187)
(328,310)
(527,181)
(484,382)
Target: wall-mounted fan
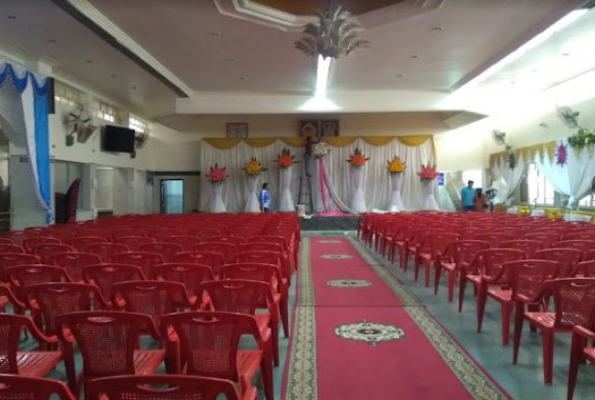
(568,117)
(80,125)
(140,139)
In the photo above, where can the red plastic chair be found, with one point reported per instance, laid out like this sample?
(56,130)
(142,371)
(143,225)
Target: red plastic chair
(203,233)
(218,335)
(213,260)
(134,243)
(154,298)
(187,274)
(104,276)
(11,248)
(494,238)
(19,387)
(81,243)
(547,239)
(166,249)
(6,241)
(28,243)
(574,304)
(228,250)
(578,352)
(106,251)
(265,257)
(24,363)
(45,251)
(186,242)
(63,235)
(568,259)
(92,232)
(127,232)
(583,235)
(107,342)
(7,297)
(236,240)
(245,297)
(526,245)
(17,237)
(526,281)
(458,256)
(430,251)
(585,269)
(583,245)
(74,263)
(165,387)
(145,260)
(161,233)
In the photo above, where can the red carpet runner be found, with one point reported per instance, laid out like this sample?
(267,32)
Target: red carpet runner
(360,334)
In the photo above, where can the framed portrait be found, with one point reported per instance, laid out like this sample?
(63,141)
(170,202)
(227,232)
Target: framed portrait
(329,127)
(309,128)
(237,130)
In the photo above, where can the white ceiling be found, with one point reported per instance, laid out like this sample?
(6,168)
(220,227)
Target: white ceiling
(228,65)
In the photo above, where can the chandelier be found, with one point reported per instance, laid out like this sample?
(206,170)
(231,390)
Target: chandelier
(334,36)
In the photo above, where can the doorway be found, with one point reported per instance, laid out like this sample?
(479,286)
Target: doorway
(172,196)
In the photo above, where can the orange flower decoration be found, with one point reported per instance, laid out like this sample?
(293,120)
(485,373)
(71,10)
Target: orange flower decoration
(357,159)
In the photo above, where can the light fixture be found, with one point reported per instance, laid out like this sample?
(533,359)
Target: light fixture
(334,36)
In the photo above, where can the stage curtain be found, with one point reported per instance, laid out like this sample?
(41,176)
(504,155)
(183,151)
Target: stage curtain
(377,188)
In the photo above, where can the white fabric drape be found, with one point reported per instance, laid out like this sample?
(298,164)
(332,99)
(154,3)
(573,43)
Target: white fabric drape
(511,177)
(572,179)
(217,204)
(252,202)
(377,188)
(286,201)
(396,202)
(358,203)
(430,196)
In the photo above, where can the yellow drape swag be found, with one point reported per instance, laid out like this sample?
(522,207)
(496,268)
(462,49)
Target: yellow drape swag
(338,141)
(528,153)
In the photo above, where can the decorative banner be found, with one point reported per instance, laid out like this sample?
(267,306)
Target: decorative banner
(286,201)
(252,203)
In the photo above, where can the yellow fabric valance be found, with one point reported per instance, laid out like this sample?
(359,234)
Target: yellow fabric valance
(337,141)
(527,152)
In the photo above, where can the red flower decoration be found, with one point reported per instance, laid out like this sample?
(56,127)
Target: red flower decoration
(217,174)
(561,154)
(428,172)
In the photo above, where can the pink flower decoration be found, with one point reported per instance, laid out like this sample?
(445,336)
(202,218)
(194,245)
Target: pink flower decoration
(561,154)
(217,174)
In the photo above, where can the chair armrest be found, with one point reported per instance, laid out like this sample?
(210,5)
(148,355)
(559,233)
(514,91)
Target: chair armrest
(38,335)
(250,394)
(5,291)
(584,332)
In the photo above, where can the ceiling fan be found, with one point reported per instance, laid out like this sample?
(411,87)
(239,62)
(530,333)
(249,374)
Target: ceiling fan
(80,123)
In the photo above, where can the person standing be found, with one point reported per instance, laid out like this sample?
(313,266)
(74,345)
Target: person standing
(468,197)
(481,201)
(265,198)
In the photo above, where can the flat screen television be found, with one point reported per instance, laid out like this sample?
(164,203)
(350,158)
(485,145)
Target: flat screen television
(118,139)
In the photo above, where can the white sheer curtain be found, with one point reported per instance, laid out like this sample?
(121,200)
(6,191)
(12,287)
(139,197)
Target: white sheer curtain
(572,179)
(511,176)
(377,187)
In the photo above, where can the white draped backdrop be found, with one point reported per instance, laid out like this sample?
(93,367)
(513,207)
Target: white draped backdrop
(510,178)
(376,180)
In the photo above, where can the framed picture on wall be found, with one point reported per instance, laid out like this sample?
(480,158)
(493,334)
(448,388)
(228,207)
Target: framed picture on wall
(237,130)
(329,127)
(309,128)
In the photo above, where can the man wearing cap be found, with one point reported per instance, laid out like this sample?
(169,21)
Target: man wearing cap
(468,197)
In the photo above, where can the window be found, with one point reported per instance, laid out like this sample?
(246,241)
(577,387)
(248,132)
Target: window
(588,201)
(106,111)
(138,124)
(68,95)
(539,189)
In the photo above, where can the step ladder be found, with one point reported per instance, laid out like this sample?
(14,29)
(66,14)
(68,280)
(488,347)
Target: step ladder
(305,190)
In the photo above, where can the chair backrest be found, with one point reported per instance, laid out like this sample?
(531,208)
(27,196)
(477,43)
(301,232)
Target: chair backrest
(107,250)
(154,298)
(227,239)
(262,246)
(567,257)
(574,301)
(227,250)
(11,248)
(4,240)
(188,274)
(266,257)
(21,387)
(583,245)
(489,262)
(546,239)
(18,236)
(134,243)
(212,259)
(438,242)
(526,245)
(28,243)
(162,233)
(582,235)
(163,387)
(104,276)
(186,242)
(24,275)
(167,249)
(494,238)
(203,233)
(237,295)
(127,232)
(464,252)
(209,340)
(145,260)
(11,259)
(62,298)
(92,232)
(528,276)
(585,268)
(74,263)
(590,255)
(11,327)
(268,273)
(82,242)
(45,250)
(99,333)
(268,239)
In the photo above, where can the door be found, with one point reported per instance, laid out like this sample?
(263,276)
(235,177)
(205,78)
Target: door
(172,196)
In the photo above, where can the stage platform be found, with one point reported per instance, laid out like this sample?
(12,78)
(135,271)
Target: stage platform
(343,223)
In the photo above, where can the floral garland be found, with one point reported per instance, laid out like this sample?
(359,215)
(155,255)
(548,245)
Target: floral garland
(253,167)
(357,159)
(217,174)
(321,149)
(396,165)
(582,138)
(285,159)
(428,173)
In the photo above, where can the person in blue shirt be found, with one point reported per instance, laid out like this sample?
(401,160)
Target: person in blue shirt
(468,197)
(265,198)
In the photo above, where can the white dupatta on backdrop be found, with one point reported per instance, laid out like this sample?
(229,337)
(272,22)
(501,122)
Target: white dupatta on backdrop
(233,154)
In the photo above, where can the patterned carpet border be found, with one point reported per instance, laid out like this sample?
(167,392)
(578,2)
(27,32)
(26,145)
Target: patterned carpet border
(471,375)
(301,379)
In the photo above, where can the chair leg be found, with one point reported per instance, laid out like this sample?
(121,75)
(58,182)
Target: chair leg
(506,307)
(427,267)
(548,355)
(437,276)
(462,283)
(519,317)
(284,306)
(576,349)
(266,370)
(482,294)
